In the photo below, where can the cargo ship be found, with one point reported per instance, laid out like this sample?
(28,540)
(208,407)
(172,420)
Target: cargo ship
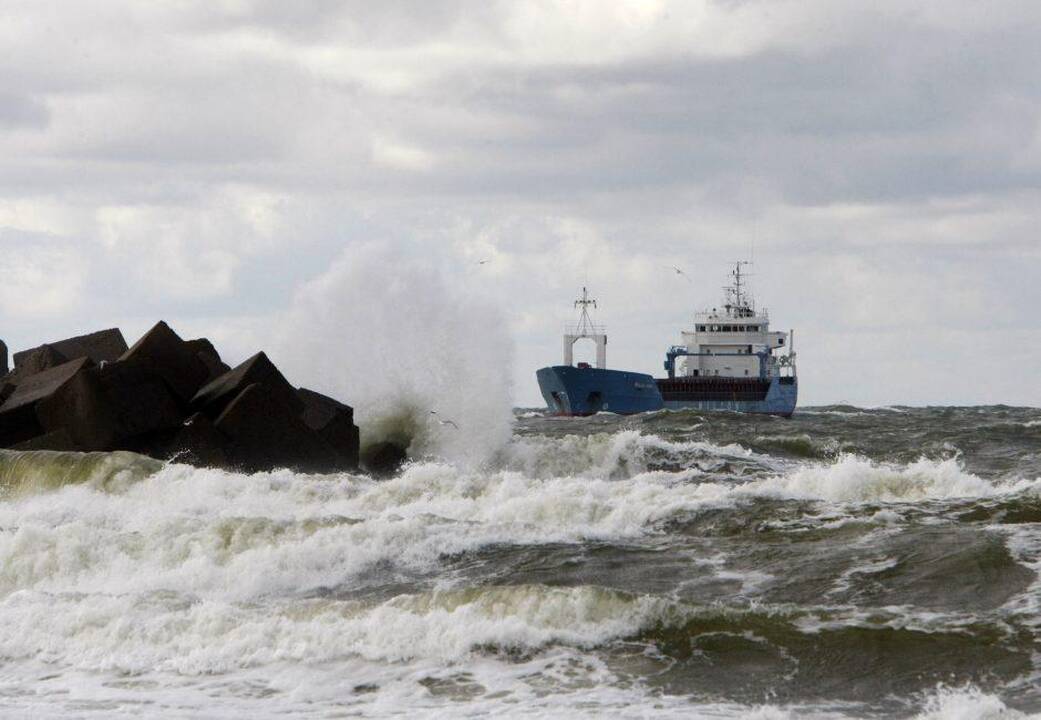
(728,360)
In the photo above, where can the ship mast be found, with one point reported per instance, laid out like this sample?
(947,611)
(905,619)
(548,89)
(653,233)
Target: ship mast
(737,303)
(585,323)
(586,329)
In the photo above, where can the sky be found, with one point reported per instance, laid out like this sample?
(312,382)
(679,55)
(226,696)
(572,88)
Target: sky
(229,166)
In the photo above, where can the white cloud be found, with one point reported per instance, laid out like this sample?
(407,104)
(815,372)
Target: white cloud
(201,161)
(42,277)
(399,156)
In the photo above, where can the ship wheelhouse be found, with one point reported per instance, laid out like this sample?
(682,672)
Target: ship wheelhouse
(733,342)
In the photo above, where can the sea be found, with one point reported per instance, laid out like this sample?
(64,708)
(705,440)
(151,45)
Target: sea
(844,563)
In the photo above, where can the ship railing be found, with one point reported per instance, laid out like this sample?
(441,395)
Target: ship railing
(709,315)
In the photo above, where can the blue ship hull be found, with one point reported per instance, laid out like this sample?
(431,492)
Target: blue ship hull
(571,390)
(585,391)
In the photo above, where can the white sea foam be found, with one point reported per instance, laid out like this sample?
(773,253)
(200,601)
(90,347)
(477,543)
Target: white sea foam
(967,703)
(231,536)
(855,479)
(180,633)
(872,567)
(615,455)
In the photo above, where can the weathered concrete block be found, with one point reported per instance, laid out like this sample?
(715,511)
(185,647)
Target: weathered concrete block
(59,441)
(209,356)
(216,395)
(19,425)
(80,408)
(334,422)
(384,458)
(113,407)
(163,353)
(6,388)
(31,362)
(140,401)
(199,443)
(265,435)
(18,417)
(320,410)
(102,346)
(43,384)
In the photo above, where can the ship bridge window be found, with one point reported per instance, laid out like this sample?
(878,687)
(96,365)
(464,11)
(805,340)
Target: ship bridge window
(701,328)
(753,328)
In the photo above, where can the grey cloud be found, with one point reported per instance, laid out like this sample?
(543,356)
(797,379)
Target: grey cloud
(20,111)
(877,157)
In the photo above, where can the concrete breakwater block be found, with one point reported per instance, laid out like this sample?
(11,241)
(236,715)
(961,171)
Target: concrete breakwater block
(101,346)
(164,354)
(384,458)
(172,399)
(265,434)
(31,362)
(334,422)
(209,356)
(19,421)
(219,393)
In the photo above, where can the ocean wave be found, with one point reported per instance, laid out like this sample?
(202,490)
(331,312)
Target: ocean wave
(27,472)
(181,633)
(618,455)
(223,534)
(220,534)
(852,478)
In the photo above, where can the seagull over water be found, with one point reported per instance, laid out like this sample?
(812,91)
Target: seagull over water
(445,421)
(482,262)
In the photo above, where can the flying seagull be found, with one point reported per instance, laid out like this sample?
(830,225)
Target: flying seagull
(679,272)
(482,262)
(444,422)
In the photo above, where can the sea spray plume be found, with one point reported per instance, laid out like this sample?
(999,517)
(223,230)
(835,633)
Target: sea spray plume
(390,336)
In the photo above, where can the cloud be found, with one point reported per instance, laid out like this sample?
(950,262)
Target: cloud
(207,160)
(42,276)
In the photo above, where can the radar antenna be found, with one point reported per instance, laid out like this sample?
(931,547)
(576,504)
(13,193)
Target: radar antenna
(737,302)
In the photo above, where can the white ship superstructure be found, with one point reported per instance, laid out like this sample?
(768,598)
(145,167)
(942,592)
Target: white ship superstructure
(736,341)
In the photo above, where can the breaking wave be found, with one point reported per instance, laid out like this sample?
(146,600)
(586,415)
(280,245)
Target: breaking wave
(628,565)
(26,472)
(185,634)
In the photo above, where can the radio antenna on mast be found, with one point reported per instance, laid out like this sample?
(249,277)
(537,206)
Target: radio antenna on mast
(585,323)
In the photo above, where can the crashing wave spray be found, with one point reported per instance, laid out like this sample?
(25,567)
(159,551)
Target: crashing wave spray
(390,336)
